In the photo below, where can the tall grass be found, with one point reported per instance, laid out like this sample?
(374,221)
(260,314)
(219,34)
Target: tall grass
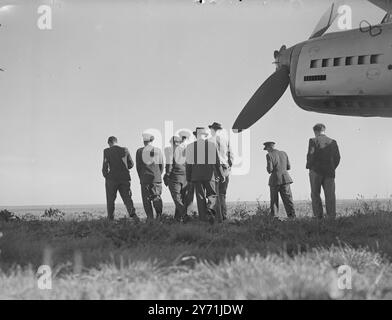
(250,256)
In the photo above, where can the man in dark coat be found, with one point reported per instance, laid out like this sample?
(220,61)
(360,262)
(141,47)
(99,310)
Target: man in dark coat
(116,164)
(322,160)
(277,166)
(149,165)
(203,169)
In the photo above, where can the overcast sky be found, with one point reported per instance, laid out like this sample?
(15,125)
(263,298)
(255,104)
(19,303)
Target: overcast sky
(121,67)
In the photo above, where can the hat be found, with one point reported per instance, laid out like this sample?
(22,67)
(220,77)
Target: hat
(268,144)
(216,126)
(200,130)
(148,137)
(175,139)
(184,134)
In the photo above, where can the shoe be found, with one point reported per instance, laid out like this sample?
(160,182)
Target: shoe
(185,219)
(135,217)
(132,213)
(211,217)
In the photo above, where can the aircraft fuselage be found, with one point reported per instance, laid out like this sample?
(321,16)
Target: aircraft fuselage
(345,73)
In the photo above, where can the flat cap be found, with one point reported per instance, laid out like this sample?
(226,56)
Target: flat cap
(184,134)
(147,137)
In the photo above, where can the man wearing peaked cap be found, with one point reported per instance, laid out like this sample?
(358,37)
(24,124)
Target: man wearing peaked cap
(268,144)
(278,165)
(149,165)
(175,177)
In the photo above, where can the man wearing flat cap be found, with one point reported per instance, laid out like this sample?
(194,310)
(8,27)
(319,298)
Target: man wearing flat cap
(226,160)
(117,162)
(203,169)
(149,165)
(175,177)
(278,165)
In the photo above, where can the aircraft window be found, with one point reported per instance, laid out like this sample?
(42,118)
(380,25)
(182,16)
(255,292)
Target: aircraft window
(314,64)
(349,61)
(337,62)
(363,60)
(327,63)
(375,58)
(321,77)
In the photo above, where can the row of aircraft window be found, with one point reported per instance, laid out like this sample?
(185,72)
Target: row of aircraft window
(345,61)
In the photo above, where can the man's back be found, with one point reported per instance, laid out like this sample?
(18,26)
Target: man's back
(224,150)
(323,155)
(116,163)
(202,161)
(277,165)
(175,162)
(149,164)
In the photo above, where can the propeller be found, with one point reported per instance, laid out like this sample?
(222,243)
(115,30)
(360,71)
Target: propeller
(264,99)
(275,86)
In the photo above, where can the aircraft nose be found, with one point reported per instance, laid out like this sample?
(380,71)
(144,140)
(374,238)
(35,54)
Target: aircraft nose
(283,57)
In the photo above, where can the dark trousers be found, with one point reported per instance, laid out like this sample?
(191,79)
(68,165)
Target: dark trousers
(316,182)
(124,187)
(222,197)
(190,194)
(151,196)
(178,191)
(285,193)
(206,197)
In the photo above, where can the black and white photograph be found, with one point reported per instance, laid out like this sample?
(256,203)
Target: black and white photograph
(195,156)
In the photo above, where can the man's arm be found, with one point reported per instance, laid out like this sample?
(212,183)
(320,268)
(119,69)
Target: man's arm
(188,163)
(309,156)
(230,154)
(270,166)
(169,160)
(139,161)
(160,160)
(288,162)
(105,165)
(130,162)
(218,166)
(336,155)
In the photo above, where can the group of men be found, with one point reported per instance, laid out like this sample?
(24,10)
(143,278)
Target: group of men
(323,158)
(203,168)
(200,168)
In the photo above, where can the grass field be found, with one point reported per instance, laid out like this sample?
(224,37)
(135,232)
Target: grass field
(250,256)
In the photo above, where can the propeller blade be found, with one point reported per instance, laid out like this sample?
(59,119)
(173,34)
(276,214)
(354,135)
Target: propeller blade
(326,21)
(263,100)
